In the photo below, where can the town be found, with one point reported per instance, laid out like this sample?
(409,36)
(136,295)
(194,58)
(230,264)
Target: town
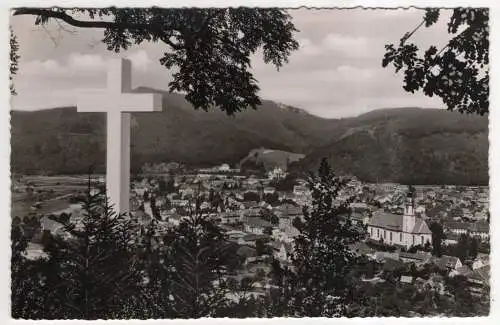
(256,212)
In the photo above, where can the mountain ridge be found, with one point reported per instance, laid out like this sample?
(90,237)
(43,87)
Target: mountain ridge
(60,140)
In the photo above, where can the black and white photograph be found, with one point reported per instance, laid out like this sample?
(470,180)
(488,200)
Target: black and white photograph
(249,162)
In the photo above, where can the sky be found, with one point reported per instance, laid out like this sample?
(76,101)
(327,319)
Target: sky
(336,72)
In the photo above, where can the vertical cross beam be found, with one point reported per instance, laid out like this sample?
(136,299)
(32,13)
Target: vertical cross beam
(118,134)
(118,101)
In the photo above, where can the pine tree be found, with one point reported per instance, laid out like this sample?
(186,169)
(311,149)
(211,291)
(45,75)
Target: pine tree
(318,285)
(91,271)
(191,276)
(27,298)
(437,238)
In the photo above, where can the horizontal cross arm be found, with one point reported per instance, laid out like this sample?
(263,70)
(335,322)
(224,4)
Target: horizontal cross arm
(124,102)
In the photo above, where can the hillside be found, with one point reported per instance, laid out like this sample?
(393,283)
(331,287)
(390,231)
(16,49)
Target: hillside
(401,145)
(269,159)
(409,145)
(64,141)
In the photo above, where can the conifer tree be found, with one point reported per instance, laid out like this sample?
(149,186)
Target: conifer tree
(90,272)
(318,285)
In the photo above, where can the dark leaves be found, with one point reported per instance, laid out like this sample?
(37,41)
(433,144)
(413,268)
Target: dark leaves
(14,59)
(431,16)
(458,72)
(209,49)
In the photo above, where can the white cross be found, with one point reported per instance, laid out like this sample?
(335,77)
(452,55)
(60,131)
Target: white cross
(118,101)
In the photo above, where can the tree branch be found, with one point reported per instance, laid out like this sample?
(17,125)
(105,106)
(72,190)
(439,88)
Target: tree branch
(92,23)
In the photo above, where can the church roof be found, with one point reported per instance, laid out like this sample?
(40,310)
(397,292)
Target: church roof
(394,222)
(421,227)
(386,220)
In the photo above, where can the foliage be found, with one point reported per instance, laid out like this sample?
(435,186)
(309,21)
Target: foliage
(286,184)
(90,271)
(167,186)
(410,145)
(466,248)
(319,285)
(458,72)
(204,47)
(272,198)
(251,196)
(14,59)
(437,238)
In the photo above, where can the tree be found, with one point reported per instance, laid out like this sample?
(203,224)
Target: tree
(286,184)
(207,47)
(251,196)
(260,247)
(198,252)
(319,285)
(271,198)
(437,238)
(90,273)
(474,246)
(458,72)
(462,249)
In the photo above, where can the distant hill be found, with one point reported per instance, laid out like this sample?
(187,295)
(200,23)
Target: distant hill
(403,145)
(268,158)
(409,145)
(63,141)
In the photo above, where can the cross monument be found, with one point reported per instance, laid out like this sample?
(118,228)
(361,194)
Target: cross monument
(117,101)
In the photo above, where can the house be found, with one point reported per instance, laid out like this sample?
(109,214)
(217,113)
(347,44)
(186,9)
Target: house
(269,190)
(456,227)
(360,207)
(447,262)
(451,239)
(388,187)
(256,225)
(251,239)
(418,257)
(463,270)
(289,210)
(286,226)
(34,251)
(359,219)
(276,173)
(361,248)
(395,229)
(229,217)
(282,250)
(480,261)
(224,168)
(301,190)
(246,252)
(479,281)
(480,229)
(406,279)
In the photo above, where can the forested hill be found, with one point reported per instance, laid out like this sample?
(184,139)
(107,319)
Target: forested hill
(408,145)
(428,146)
(62,140)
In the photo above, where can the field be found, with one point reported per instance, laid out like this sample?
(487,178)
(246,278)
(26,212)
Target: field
(52,193)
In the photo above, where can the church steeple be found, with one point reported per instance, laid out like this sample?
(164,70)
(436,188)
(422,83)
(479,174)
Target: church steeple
(409,212)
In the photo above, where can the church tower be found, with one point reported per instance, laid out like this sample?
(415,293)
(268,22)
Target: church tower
(409,214)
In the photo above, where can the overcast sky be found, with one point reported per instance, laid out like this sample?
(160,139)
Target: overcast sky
(336,72)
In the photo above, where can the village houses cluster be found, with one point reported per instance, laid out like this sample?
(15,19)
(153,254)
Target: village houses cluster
(257,212)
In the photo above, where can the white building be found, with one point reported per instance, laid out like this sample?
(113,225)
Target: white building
(395,229)
(276,173)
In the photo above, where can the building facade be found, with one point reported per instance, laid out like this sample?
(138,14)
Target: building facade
(395,229)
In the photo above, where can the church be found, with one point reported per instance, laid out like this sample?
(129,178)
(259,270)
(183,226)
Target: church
(395,229)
